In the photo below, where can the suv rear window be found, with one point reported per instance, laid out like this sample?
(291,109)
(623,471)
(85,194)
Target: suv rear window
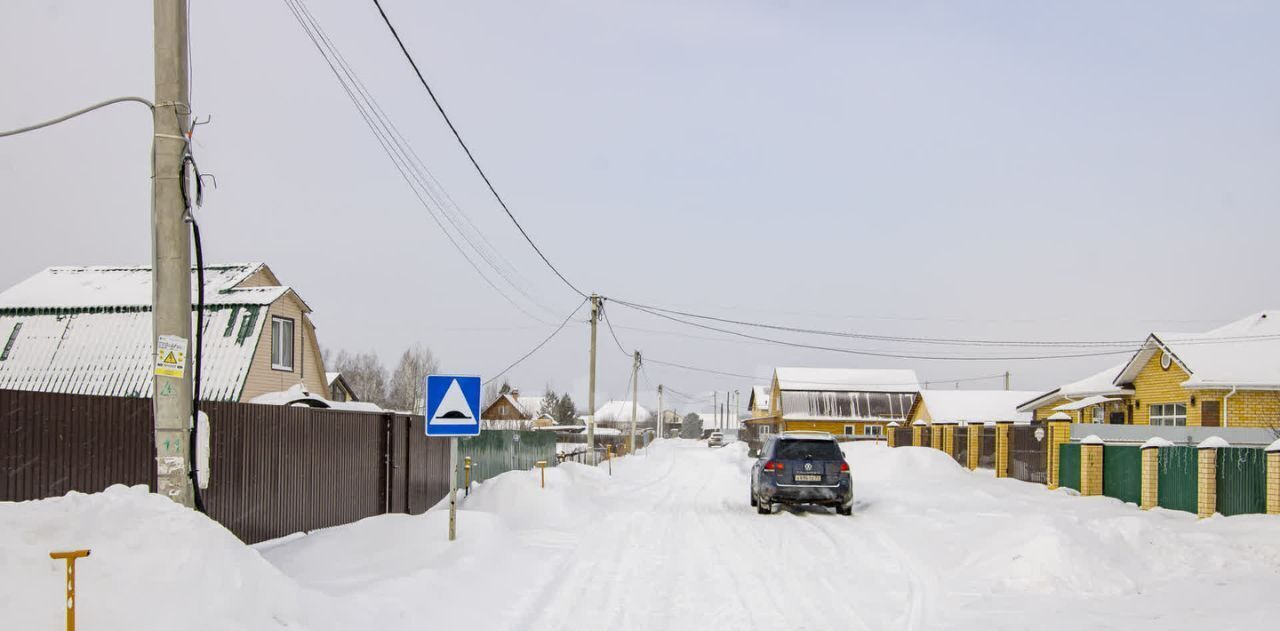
(808,450)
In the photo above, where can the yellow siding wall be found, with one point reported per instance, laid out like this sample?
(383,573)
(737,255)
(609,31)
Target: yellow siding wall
(1045,411)
(1252,409)
(920,412)
(834,427)
(1157,385)
(307,366)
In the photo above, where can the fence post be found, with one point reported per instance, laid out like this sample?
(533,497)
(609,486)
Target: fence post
(1150,476)
(1002,448)
(1059,433)
(1273,478)
(1091,465)
(948,438)
(935,436)
(917,431)
(975,444)
(891,434)
(1207,475)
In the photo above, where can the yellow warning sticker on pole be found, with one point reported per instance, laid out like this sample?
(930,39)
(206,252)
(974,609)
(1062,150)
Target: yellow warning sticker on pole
(171,356)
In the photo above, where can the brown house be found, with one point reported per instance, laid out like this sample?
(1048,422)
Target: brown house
(513,407)
(87,330)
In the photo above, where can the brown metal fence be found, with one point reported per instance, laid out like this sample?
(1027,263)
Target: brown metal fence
(902,436)
(960,446)
(987,448)
(274,470)
(1029,453)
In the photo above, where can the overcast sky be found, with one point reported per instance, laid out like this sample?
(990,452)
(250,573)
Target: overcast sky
(1010,170)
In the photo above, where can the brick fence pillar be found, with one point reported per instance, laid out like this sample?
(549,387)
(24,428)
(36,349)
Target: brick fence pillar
(1207,476)
(1091,466)
(917,429)
(1273,478)
(891,434)
(1150,476)
(975,444)
(1059,433)
(948,439)
(1002,448)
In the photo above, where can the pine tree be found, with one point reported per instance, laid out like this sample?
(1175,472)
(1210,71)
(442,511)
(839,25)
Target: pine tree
(692,426)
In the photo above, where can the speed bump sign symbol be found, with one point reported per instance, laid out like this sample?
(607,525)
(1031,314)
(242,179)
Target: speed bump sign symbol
(453,405)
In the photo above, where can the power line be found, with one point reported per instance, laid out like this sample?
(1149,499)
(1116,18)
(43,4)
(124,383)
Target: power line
(467,150)
(83,110)
(539,346)
(395,150)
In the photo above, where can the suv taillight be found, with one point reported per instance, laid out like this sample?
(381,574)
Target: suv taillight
(773,465)
(844,467)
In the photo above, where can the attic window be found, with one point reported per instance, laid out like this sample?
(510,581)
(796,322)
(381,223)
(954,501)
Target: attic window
(1166,360)
(8,345)
(281,343)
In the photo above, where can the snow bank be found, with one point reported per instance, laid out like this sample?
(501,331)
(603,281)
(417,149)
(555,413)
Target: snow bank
(876,461)
(152,561)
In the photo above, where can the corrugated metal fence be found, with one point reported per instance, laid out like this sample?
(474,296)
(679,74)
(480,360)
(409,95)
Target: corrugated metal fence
(274,470)
(1179,486)
(1242,480)
(1122,472)
(494,453)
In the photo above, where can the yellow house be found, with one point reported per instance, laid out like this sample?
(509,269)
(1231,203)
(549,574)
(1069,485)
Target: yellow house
(1229,376)
(87,330)
(1094,399)
(843,401)
(964,407)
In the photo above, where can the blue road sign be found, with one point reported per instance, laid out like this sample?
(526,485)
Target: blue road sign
(453,405)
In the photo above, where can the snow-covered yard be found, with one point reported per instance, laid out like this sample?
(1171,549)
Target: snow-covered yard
(667,542)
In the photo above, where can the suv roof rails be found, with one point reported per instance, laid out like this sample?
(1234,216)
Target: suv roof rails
(808,434)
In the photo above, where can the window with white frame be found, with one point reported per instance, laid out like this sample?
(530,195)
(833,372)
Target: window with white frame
(1169,414)
(1097,414)
(871,430)
(281,343)
(765,430)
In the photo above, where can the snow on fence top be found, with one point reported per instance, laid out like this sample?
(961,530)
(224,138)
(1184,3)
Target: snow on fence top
(847,379)
(1213,442)
(960,406)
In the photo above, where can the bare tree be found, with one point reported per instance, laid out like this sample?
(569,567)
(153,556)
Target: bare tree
(408,383)
(364,372)
(548,405)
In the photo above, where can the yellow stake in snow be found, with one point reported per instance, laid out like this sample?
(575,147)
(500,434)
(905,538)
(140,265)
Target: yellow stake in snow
(466,466)
(542,465)
(70,557)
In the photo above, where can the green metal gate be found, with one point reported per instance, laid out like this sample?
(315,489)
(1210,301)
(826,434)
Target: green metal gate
(1069,465)
(1122,473)
(494,452)
(1242,480)
(1178,484)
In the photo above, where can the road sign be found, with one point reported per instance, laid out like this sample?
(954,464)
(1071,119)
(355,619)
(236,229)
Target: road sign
(453,405)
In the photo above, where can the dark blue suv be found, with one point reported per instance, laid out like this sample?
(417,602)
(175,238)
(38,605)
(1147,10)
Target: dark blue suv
(802,468)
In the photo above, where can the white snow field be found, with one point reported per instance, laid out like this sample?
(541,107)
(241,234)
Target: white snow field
(667,542)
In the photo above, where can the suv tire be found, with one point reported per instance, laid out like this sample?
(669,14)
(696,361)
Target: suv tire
(764,508)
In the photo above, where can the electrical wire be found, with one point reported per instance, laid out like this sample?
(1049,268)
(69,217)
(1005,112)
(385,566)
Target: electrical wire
(84,110)
(467,150)
(539,346)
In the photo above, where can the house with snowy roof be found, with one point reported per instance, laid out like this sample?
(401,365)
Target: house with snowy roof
(971,407)
(88,330)
(1224,377)
(847,401)
(618,414)
(523,411)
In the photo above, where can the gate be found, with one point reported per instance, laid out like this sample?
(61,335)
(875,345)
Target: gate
(1242,481)
(1178,484)
(1028,453)
(926,436)
(987,448)
(960,445)
(1122,473)
(1069,465)
(901,436)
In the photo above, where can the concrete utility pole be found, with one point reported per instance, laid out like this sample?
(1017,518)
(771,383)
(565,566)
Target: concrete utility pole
(171,256)
(635,392)
(715,409)
(591,389)
(1006,380)
(660,419)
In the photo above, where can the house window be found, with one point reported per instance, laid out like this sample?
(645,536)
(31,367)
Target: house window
(849,430)
(872,430)
(1169,414)
(1098,414)
(281,344)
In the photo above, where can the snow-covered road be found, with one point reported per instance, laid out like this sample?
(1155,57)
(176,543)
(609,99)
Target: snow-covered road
(670,542)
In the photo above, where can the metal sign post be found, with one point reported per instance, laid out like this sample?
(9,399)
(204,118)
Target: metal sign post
(453,410)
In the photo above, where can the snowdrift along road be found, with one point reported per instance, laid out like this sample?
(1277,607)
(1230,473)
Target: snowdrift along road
(668,542)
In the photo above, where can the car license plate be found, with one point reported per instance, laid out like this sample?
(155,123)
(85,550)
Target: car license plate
(808,477)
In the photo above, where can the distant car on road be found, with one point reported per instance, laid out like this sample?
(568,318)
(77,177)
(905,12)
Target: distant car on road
(715,440)
(801,468)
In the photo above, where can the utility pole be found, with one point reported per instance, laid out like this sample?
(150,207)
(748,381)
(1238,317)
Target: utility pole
(660,419)
(1006,380)
(715,409)
(171,256)
(591,388)
(635,392)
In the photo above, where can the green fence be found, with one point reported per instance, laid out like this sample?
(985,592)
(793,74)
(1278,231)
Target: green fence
(1069,465)
(497,451)
(1242,481)
(1122,473)
(1178,483)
